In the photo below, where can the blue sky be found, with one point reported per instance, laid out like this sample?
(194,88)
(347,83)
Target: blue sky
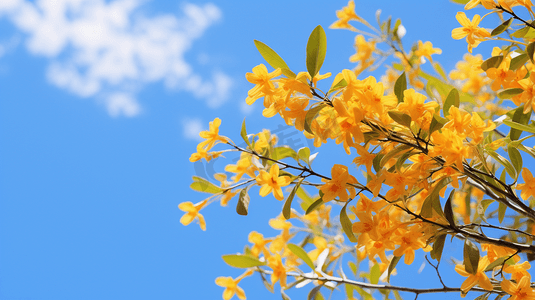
(100,106)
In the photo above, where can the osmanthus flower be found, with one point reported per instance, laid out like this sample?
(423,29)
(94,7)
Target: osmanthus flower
(212,135)
(408,241)
(415,106)
(528,96)
(345,15)
(202,153)
(231,285)
(364,49)
(426,50)
(521,290)
(478,126)
(488,4)
(518,271)
(259,243)
(494,252)
(295,112)
(192,213)
(339,186)
(272,183)
(280,223)
(471,30)
(474,279)
(458,120)
(450,146)
(502,75)
(242,167)
(528,187)
(279,270)
(263,80)
(374,99)
(228,193)
(364,157)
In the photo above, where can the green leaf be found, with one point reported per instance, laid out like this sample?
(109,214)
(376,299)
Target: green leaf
(400,118)
(392,266)
(516,158)
(242,261)
(438,68)
(510,93)
(396,151)
(463,2)
(492,62)
(530,50)
(304,154)
(518,62)
(375,273)
(520,32)
(519,126)
(202,185)
(346,224)
(312,295)
(436,123)
(453,99)
(498,262)
(501,212)
(400,86)
(432,201)
(243,202)
(283,152)
(316,50)
(314,205)
(521,118)
(287,208)
(438,246)
(504,162)
(273,59)
(301,254)
(284,296)
(448,210)
(243,134)
(311,115)
(471,257)
(503,27)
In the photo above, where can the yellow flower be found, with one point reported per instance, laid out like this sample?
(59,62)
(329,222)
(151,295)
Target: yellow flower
(271,182)
(338,185)
(478,278)
(528,187)
(474,35)
(231,286)
(262,79)
(279,270)
(203,153)
(426,50)
(520,291)
(212,135)
(345,15)
(192,212)
(488,4)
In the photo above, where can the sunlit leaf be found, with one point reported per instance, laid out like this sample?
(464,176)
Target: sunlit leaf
(516,158)
(518,62)
(471,257)
(202,185)
(347,226)
(273,59)
(314,206)
(316,50)
(287,208)
(375,273)
(392,266)
(521,118)
(493,62)
(243,134)
(311,114)
(510,93)
(283,152)
(530,50)
(502,27)
(242,207)
(400,118)
(400,86)
(301,254)
(438,246)
(242,261)
(453,99)
(304,154)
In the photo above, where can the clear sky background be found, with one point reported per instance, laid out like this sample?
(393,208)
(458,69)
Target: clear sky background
(101,103)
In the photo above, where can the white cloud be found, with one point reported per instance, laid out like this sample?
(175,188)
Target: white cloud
(99,48)
(192,127)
